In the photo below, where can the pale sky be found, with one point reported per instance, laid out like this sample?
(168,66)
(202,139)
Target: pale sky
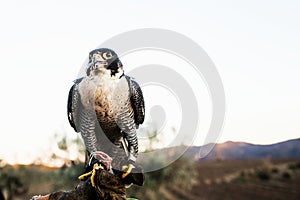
(255,46)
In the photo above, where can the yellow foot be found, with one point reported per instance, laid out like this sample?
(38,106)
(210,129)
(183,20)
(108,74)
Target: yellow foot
(129,169)
(93,173)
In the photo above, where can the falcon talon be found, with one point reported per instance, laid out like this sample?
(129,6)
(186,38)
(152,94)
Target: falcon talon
(95,167)
(129,169)
(83,176)
(92,173)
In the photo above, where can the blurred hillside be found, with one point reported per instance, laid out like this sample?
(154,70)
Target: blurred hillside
(242,150)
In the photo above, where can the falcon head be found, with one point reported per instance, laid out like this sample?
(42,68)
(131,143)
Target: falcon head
(103,59)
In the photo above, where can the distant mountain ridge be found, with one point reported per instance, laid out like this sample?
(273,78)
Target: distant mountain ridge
(242,150)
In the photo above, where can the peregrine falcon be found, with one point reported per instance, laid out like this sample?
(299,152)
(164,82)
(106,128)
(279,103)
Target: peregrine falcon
(107,107)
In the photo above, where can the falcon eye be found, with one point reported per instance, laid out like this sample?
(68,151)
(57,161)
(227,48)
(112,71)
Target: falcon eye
(107,55)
